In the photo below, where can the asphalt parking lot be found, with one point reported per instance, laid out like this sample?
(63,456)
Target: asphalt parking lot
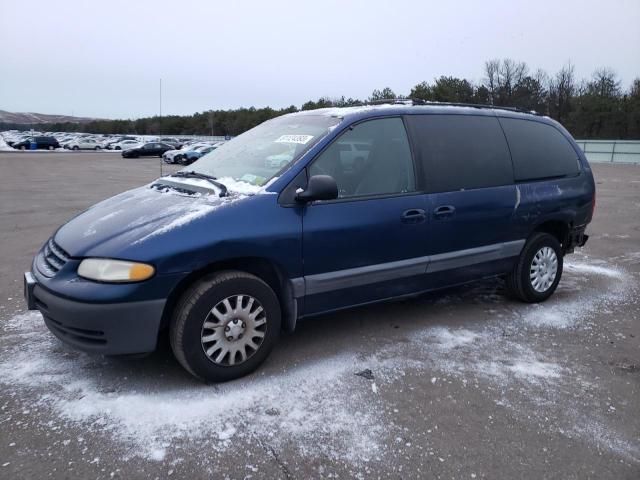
(463,383)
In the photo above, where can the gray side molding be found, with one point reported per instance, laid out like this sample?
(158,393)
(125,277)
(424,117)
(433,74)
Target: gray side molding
(472,256)
(356,277)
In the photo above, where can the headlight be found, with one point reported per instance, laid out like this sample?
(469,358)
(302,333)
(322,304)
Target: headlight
(107,270)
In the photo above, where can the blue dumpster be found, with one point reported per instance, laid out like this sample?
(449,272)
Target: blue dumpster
(33,145)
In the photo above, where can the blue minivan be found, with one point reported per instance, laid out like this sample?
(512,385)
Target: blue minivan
(371,203)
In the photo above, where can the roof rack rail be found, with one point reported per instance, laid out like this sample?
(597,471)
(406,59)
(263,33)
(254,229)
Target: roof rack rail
(419,101)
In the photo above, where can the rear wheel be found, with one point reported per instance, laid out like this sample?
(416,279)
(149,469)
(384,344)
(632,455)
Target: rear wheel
(539,269)
(97,148)
(225,326)
(23,147)
(50,147)
(76,147)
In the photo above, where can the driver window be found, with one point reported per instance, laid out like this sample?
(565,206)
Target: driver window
(371,158)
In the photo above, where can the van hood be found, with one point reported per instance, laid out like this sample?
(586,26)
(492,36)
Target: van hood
(136,217)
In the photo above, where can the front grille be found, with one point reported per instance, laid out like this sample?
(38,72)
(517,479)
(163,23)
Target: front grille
(51,259)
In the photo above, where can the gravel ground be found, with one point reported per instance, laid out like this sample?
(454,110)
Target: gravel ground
(463,383)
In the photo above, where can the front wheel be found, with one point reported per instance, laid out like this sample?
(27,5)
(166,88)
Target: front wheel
(225,326)
(537,273)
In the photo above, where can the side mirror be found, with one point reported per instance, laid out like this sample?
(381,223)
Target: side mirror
(319,187)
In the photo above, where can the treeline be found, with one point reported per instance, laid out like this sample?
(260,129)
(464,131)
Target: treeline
(598,107)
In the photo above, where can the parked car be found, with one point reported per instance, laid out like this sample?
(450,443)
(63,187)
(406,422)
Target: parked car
(83,143)
(171,156)
(190,156)
(124,145)
(11,141)
(171,141)
(229,252)
(46,143)
(117,143)
(151,149)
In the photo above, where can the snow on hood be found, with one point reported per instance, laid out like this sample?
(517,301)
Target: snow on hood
(237,186)
(136,216)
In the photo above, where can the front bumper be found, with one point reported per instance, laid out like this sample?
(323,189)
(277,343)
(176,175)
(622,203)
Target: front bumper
(104,328)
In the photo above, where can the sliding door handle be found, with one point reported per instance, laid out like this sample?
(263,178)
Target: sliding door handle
(444,211)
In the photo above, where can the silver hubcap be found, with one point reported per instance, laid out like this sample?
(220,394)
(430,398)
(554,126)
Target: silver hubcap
(233,330)
(544,269)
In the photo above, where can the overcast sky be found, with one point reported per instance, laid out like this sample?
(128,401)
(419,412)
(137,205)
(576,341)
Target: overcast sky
(105,58)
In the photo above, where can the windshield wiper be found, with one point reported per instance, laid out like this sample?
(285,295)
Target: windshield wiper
(203,176)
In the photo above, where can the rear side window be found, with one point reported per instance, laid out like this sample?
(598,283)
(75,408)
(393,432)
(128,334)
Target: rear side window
(381,165)
(460,152)
(539,150)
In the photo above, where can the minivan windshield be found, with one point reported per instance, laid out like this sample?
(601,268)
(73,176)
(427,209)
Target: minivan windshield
(257,155)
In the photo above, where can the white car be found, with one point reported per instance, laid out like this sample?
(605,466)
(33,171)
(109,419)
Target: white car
(84,144)
(170,155)
(125,145)
(280,160)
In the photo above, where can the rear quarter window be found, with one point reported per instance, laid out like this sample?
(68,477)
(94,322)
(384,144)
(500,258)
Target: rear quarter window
(539,150)
(460,152)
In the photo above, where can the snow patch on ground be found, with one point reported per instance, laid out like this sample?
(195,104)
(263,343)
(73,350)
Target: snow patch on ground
(319,406)
(310,405)
(4,147)
(447,339)
(571,312)
(586,268)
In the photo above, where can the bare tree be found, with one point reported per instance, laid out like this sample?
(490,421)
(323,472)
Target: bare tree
(511,74)
(502,78)
(562,89)
(492,78)
(604,83)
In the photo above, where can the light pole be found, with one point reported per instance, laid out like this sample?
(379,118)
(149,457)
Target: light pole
(160,121)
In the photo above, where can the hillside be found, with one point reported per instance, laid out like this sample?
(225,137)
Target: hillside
(30,118)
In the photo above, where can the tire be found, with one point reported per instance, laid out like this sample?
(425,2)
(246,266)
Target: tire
(76,147)
(23,147)
(97,149)
(194,312)
(521,282)
(118,148)
(50,147)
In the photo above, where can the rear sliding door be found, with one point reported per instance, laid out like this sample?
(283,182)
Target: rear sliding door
(468,176)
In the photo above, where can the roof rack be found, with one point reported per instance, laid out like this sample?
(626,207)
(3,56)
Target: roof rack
(419,101)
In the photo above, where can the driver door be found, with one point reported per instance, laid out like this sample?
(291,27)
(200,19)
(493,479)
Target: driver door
(370,242)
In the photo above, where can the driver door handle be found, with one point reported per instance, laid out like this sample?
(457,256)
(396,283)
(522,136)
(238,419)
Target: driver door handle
(413,215)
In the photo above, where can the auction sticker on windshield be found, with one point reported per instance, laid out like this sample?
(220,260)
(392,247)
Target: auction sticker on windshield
(301,139)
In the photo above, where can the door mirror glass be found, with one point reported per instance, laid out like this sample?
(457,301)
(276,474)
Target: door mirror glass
(320,187)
